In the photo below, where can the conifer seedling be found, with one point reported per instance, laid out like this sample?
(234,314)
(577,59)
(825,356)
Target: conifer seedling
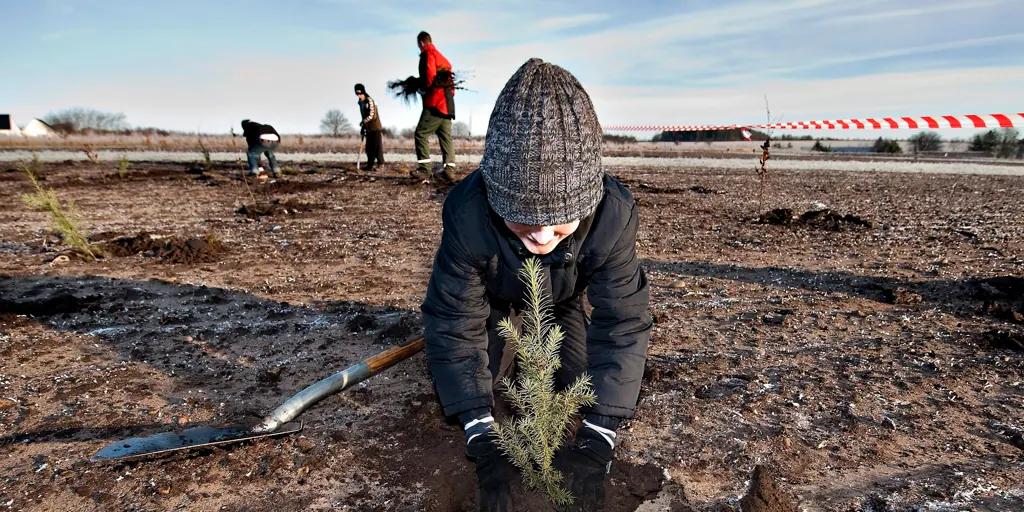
(543,415)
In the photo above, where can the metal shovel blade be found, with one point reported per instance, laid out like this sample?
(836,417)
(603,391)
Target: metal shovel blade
(194,437)
(277,423)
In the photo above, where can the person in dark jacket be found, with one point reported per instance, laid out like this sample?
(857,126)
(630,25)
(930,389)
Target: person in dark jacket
(370,128)
(261,138)
(540,191)
(438,90)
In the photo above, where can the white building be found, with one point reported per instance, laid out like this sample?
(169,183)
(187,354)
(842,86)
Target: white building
(7,126)
(38,128)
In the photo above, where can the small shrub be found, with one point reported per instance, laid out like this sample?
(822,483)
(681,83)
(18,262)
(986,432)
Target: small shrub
(205,151)
(544,415)
(818,146)
(886,146)
(122,167)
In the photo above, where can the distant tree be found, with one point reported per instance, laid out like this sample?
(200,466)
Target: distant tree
(818,146)
(1007,143)
(999,143)
(707,136)
(608,137)
(984,142)
(335,124)
(460,130)
(925,141)
(886,146)
(407,133)
(78,120)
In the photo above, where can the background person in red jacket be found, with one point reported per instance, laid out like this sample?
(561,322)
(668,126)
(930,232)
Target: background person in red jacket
(438,90)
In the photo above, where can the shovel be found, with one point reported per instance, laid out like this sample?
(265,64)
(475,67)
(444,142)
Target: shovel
(359,155)
(277,423)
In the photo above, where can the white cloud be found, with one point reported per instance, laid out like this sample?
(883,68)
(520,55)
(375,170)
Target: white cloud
(913,12)
(556,23)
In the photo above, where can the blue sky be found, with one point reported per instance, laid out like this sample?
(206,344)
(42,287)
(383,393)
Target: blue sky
(190,65)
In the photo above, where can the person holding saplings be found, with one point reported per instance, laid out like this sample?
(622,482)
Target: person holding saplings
(540,191)
(437,86)
(370,128)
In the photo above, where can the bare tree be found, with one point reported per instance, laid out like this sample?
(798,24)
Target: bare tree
(926,141)
(78,119)
(460,130)
(335,124)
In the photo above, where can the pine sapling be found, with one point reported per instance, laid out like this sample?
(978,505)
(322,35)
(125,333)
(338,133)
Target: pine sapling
(63,219)
(543,415)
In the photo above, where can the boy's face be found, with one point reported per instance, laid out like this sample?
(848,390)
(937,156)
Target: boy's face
(361,96)
(541,240)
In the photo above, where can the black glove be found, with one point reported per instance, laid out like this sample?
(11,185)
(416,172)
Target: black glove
(494,473)
(584,466)
(362,132)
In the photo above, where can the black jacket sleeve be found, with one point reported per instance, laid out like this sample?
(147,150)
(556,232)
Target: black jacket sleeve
(620,327)
(424,75)
(455,313)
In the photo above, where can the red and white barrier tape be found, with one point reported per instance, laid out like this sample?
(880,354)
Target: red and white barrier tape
(869,123)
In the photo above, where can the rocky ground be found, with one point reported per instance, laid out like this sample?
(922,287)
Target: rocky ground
(857,337)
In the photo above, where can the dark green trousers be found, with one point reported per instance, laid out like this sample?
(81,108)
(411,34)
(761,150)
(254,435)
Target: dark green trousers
(431,124)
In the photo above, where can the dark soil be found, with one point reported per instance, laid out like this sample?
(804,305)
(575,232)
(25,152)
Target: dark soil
(817,219)
(276,206)
(871,369)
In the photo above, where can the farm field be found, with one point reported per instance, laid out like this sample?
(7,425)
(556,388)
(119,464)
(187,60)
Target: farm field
(869,356)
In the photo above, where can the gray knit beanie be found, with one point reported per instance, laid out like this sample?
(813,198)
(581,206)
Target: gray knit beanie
(542,158)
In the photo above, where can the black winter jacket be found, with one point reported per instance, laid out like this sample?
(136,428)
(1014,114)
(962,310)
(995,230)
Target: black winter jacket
(252,130)
(478,262)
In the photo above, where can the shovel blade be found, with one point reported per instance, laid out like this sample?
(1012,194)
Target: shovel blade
(194,437)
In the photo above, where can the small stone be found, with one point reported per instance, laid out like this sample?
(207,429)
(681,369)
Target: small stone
(60,260)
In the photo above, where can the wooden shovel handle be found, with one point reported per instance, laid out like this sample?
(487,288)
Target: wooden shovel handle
(394,355)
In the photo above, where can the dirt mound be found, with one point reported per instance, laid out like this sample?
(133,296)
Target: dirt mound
(1003,297)
(169,249)
(824,219)
(275,207)
(764,495)
(653,189)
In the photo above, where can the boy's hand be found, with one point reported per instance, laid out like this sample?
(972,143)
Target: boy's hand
(494,474)
(584,466)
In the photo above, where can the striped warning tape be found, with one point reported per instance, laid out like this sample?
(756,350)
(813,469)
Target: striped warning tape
(868,123)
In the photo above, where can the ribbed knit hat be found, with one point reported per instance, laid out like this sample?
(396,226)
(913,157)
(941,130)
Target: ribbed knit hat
(542,157)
